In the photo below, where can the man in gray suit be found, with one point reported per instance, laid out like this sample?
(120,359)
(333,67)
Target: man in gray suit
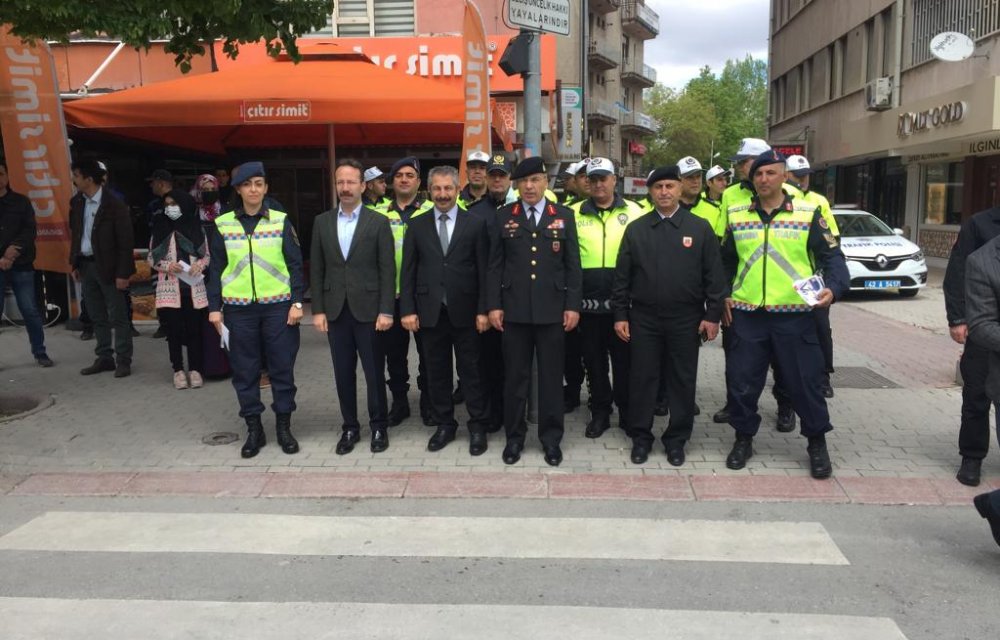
(353,273)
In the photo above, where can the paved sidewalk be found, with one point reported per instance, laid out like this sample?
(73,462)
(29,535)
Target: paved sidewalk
(140,424)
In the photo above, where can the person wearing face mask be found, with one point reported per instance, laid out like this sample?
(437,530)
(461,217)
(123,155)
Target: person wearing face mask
(206,195)
(178,244)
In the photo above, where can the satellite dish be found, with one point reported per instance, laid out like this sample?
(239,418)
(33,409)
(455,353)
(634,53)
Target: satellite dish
(952,46)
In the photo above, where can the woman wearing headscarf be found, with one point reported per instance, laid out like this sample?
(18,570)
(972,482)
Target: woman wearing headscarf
(177,245)
(206,194)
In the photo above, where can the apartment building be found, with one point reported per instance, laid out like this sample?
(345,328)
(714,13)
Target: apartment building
(894,130)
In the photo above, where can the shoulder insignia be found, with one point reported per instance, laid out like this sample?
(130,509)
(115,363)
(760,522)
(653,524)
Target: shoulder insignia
(823,223)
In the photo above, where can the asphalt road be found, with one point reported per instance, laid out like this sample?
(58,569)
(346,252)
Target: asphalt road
(213,568)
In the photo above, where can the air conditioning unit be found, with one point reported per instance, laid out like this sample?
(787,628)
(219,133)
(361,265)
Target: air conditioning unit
(878,94)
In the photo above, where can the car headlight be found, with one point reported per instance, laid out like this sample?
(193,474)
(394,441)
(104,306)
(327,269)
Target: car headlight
(917,257)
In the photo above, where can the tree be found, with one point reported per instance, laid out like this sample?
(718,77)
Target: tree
(739,94)
(687,125)
(187,25)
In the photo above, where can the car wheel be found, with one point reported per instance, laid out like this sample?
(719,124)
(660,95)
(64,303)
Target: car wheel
(908,293)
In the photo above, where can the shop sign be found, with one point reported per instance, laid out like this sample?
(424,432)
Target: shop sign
(915,122)
(271,111)
(635,186)
(789,148)
(984,146)
(571,107)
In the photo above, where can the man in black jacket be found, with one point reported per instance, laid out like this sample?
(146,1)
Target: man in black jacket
(17,256)
(443,295)
(974,433)
(534,297)
(669,289)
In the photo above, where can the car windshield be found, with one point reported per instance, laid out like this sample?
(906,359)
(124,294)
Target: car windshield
(853,225)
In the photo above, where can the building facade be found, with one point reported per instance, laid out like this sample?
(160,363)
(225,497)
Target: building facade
(893,129)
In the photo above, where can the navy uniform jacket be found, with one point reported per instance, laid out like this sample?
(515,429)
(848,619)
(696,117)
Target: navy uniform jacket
(534,273)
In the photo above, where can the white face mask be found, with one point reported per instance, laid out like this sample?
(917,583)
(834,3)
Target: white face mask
(173,211)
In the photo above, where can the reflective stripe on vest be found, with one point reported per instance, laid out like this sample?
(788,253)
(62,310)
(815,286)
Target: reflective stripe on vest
(255,269)
(772,256)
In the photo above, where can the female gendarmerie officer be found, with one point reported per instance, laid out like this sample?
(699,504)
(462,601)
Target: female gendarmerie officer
(255,285)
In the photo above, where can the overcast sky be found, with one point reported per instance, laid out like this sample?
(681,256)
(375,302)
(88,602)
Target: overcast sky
(696,33)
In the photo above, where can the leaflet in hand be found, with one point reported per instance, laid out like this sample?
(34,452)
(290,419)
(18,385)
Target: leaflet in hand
(185,275)
(809,289)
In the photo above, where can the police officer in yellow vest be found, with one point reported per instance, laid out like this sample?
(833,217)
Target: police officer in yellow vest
(797,176)
(475,171)
(694,200)
(255,287)
(601,220)
(374,195)
(770,245)
(405,176)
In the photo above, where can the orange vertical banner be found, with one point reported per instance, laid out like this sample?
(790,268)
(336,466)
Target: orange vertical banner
(34,139)
(475,62)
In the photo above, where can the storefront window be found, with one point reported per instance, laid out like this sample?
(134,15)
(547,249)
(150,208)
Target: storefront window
(943,195)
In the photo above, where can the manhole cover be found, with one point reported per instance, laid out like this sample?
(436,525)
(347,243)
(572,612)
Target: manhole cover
(220,437)
(860,378)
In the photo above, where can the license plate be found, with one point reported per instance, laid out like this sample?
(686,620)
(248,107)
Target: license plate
(882,284)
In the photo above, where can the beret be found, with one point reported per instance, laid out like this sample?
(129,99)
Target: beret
(248,170)
(764,159)
(408,161)
(668,172)
(528,167)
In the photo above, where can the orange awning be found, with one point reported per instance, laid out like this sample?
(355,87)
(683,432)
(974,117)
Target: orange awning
(281,104)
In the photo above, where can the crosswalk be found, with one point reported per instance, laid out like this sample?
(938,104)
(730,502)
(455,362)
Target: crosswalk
(752,543)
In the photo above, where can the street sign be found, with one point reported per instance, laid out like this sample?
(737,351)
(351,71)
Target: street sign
(952,46)
(549,16)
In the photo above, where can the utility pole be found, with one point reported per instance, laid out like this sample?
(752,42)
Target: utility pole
(533,95)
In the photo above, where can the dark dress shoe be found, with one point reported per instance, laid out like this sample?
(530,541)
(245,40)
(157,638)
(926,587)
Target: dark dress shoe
(348,439)
(440,439)
(44,361)
(820,466)
(86,335)
(661,408)
(477,444)
(135,332)
(255,437)
(697,409)
(741,452)
(598,425)
(512,452)
(786,420)
(100,365)
(458,396)
(283,429)
(827,391)
(160,333)
(123,370)
(640,454)
(675,456)
(721,416)
(399,411)
(380,440)
(553,456)
(969,473)
(984,505)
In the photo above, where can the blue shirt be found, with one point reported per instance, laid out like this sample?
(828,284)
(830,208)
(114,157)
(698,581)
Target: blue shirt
(452,214)
(347,222)
(90,207)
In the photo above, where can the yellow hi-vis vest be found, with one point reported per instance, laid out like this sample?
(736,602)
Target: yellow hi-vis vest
(710,212)
(600,233)
(399,229)
(772,256)
(256,269)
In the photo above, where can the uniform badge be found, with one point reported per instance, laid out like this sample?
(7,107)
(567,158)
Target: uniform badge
(823,223)
(622,219)
(556,246)
(688,242)
(557,224)
(830,240)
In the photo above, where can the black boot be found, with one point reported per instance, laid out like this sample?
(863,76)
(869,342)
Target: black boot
(283,427)
(741,452)
(721,416)
(400,409)
(255,437)
(819,458)
(786,419)
(599,423)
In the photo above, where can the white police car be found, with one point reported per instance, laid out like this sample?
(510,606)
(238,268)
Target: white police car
(878,258)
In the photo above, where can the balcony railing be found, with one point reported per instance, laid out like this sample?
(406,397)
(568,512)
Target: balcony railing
(639,122)
(604,6)
(641,75)
(603,57)
(640,21)
(601,111)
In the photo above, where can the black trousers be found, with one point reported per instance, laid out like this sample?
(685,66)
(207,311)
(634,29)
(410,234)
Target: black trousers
(789,340)
(600,342)
(250,327)
(491,373)
(825,334)
(653,340)
(574,371)
(350,339)
(396,347)
(439,341)
(107,309)
(522,343)
(974,434)
(184,327)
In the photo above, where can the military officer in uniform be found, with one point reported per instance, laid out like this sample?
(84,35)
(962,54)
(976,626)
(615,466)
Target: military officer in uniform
(256,287)
(776,241)
(534,293)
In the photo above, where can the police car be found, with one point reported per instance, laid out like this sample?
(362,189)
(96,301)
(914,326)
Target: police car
(878,257)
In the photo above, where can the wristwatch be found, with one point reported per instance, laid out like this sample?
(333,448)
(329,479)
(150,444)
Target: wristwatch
(297,305)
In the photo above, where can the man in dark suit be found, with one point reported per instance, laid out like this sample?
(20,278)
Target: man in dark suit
(974,432)
(534,296)
(354,284)
(443,295)
(101,259)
